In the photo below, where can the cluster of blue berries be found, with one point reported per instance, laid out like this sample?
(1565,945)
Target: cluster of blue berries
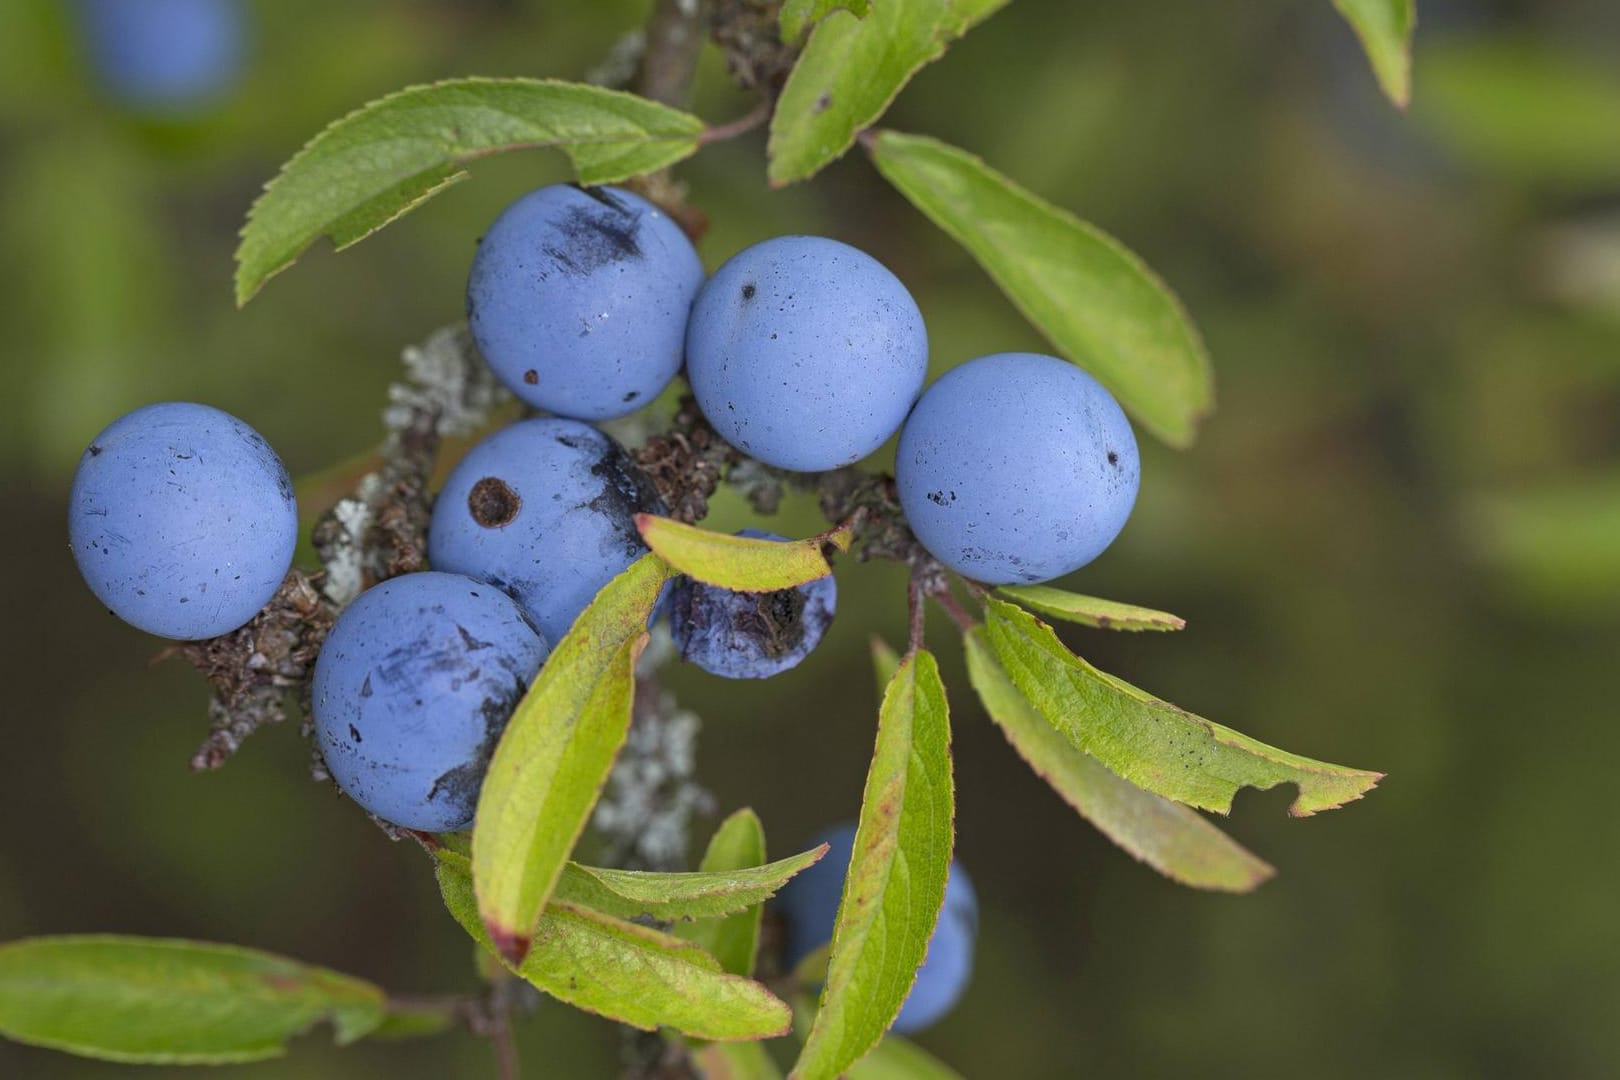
(802,352)
(806,354)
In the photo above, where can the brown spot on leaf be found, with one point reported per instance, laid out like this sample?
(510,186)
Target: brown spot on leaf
(512,947)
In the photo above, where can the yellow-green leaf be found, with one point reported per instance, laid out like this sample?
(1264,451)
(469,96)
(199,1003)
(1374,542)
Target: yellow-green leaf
(812,969)
(705,894)
(1536,111)
(734,940)
(735,1061)
(1098,304)
(799,15)
(555,755)
(629,973)
(1090,610)
(1175,841)
(896,880)
(163,1001)
(851,70)
(885,661)
(1385,30)
(393,154)
(740,563)
(1149,742)
(1555,545)
(896,1059)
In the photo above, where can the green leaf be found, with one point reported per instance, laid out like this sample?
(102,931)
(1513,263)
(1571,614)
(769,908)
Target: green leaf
(632,974)
(1151,743)
(799,15)
(1531,111)
(896,880)
(1090,610)
(735,1061)
(885,661)
(739,842)
(812,969)
(1096,301)
(740,563)
(413,1024)
(896,1059)
(1556,545)
(391,155)
(1385,30)
(706,894)
(555,755)
(161,1001)
(1175,841)
(851,70)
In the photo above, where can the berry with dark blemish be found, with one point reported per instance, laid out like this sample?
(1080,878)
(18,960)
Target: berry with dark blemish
(578,298)
(740,635)
(576,532)
(407,704)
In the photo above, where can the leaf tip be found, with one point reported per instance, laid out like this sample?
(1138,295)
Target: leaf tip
(512,947)
(841,538)
(1302,807)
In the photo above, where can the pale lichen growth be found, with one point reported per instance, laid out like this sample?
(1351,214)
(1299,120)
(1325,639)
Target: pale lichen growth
(619,66)
(646,812)
(345,557)
(447,377)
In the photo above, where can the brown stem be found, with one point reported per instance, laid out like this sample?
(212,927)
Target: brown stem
(959,615)
(454,1008)
(740,126)
(675,33)
(914,596)
(506,1054)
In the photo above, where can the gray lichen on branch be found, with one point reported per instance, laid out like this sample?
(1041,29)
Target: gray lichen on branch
(377,532)
(380,530)
(253,669)
(652,794)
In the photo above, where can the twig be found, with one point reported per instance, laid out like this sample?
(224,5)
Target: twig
(914,604)
(506,1052)
(675,33)
(448,1006)
(740,126)
(954,609)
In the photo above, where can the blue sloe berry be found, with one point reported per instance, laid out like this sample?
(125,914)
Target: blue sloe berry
(165,55)
(1017,468)
(741,635)
(182,520)
(412,690)
(805,353)
(578,298)
(544,509)
(809,907)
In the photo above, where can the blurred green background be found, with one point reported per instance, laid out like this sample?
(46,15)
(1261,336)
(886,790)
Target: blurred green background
(1397,542)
